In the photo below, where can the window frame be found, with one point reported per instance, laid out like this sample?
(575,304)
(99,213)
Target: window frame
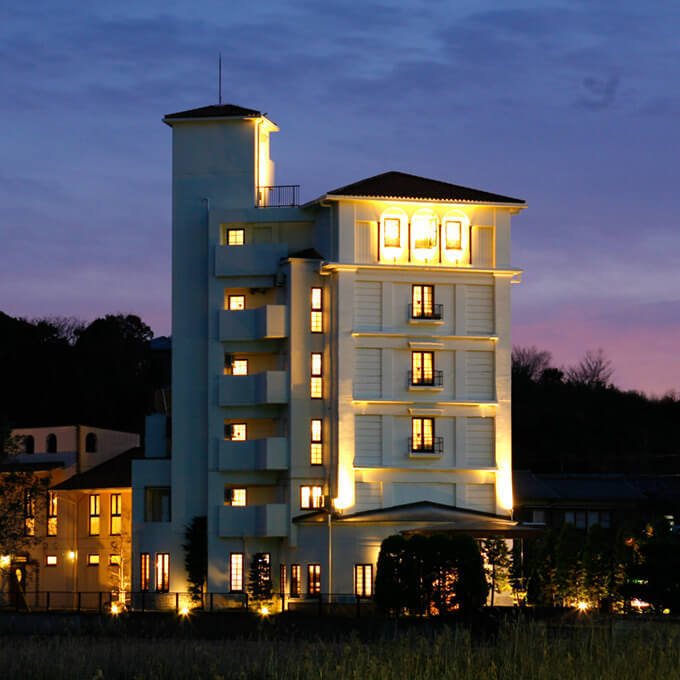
(240,576)
(148,508)
(314,579)
(235,230)
(362,584)
(427,306)
(52,513)
(316,310)
(295,580)
(235,298)
(51,443)
(93,559)
(116,514)
(144,572)
(162,579)
(243,364)
(316,376)
(54,560)
(426,377)
(94,514)
(422,445)
(316,442)
(311,497)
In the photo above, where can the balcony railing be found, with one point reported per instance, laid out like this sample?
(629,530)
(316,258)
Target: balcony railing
(433,312)
(280,196)
(428,447)
(426,379)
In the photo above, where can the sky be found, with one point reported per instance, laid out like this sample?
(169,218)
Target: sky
(570,105)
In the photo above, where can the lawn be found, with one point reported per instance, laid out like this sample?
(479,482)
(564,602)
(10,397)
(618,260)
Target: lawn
(521,650)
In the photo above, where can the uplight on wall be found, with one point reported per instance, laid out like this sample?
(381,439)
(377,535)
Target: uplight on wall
(455,237)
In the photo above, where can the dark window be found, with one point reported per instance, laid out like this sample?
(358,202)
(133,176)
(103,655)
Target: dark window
(157,504)
(91,443)
(51,443)
(29,444)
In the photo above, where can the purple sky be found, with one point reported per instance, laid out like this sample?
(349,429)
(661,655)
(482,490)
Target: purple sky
(570,105)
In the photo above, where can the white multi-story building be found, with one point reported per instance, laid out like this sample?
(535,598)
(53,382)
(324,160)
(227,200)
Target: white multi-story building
(340,370)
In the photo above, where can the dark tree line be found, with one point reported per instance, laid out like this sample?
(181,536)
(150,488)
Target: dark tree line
(576,420)
(61,371)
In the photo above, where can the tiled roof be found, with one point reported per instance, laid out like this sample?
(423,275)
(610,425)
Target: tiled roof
(402,185)
(216,111)
(115,473)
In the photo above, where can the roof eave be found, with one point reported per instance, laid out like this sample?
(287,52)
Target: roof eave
(401,199)
(203,119)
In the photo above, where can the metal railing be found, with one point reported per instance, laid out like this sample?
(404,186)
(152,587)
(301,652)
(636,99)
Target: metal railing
(435,445)
(426,379)
(107,602)
(425,312)
(280,196)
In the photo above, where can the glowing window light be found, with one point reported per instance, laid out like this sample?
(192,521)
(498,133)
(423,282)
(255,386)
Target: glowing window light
(239,432)
(392,232)
(239,367)
(51,560)
(236,572)
(453,230)
(238,498)
(237,303)
(316,446)
(236,237)
(424,228)
(455,236)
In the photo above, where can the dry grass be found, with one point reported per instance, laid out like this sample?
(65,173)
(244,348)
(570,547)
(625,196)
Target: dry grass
(521,651)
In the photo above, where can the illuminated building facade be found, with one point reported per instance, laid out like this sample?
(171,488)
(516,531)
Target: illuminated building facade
(341,369)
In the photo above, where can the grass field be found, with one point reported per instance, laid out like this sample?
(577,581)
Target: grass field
(520,650)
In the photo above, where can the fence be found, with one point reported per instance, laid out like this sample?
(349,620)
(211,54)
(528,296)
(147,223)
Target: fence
(280,196)
(177,602)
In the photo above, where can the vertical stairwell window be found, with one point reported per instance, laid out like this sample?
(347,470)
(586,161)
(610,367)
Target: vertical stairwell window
(51,513)
(316,383)
(116,513)
(314,579)
(29,513)
(295,580)
(236,572)
(316,318)
(93,518)
(144,571)
(363,580)
(162,572)
(316,444)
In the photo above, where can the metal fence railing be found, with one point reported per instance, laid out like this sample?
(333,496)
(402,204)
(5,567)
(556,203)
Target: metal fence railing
(434,312)
(425,378)
(280,196)
(178,602)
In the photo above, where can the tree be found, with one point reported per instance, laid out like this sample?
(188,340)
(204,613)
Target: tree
(498,562)
(598,566)
(260,579)
(196,556)
(593,371)
(529,362)
(568,565)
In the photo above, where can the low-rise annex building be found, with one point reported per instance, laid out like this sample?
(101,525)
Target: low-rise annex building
(85,526)
(340,369)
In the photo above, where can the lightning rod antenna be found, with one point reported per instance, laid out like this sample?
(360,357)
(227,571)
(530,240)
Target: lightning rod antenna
(220,78)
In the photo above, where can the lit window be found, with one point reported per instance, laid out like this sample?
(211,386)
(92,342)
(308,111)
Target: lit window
(236,237)
(424,231)
(422,303)
(422,430)
(314,579)
(295,580)
(236,303)
(92,559)
(144,571)
(316,383)
(51,561)
(162,572)
(422,368)
(237,497)
(239,367)
(363,580)
(453,230)
(116,519)
(236,572)
(114,560)
(29,513)
(93,524)
(316,320)
(316,445)
(392,232)
(311,497)
(236,432)
(51,513)
(157,504)
(282,579)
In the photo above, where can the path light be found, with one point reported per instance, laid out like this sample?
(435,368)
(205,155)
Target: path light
(583,606)
(114,608)
(184,611)
(264,611)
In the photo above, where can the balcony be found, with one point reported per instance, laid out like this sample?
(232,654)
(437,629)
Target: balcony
(280,196)
(269,321)
(425,314)
(268,387)
(253,454)
(256,259)
(426,380)
(265,521)
(429,448)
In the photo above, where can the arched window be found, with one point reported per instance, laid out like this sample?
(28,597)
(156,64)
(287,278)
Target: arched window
(393,234)
(51,443)
(91,443)
(29,444)
(424,236)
